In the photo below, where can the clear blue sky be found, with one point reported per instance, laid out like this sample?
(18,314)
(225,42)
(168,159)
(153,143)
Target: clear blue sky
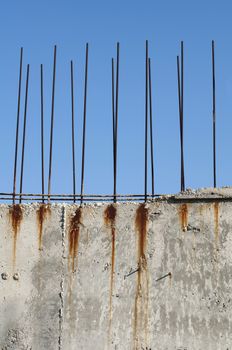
(38,25)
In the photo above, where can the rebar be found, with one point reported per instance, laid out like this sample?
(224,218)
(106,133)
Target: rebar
(146,122)
(42,130)
(116,125)
(214,117)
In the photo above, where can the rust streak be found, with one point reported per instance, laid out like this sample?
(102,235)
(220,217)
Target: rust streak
(42,213)
(183,213)
(141,298)
(74,231)
(216,220)
(16,216)
(109,218)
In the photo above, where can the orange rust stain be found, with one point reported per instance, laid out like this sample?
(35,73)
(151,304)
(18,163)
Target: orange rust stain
(74,231)
(216,220)
(141,298)
(42,213)
(109,218)
(16,216)
(183,213)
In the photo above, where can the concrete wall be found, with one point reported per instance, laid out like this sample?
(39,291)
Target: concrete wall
(89,278)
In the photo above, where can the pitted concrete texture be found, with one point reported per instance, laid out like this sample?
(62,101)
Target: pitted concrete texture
(126,276)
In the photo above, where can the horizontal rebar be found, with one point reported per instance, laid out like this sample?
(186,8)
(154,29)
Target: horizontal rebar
(78,195)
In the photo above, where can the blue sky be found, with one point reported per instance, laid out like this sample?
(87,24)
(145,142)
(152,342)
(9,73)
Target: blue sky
(38,25)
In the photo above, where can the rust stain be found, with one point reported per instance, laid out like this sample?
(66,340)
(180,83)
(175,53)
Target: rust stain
(141,298)
(42,213)
(216,221)
(16,215)
(74,231)
(109,219)
(183,213)
(216,228)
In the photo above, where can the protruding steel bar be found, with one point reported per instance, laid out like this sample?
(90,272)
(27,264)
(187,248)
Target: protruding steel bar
(180,77)
(146,121)
(116,124)
(151,129)
(180,119)
(42,129)
(167,275)
(24,132)
(73,135)
(182,116)
(214,117)
(17,124)
(113,119)
(52,124)
(84,123)
(179,104)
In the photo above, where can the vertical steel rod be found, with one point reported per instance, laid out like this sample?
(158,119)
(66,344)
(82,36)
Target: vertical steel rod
(146,121)
(73,135)
(182,116)
(42,130)
(113,120)
(84,123)
(24,134)
(116,124)
(52,124)
(214,117)
(17,124)
(151,129)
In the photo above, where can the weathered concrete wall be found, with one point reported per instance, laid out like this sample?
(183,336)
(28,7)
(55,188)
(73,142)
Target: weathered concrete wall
(86,278)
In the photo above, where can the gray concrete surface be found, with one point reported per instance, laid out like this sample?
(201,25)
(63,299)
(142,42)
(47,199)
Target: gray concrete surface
(91,278)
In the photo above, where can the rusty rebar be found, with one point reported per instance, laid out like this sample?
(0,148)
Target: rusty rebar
(151,129)
(42,130)
(73,135)
(182,117)
(24,132)
(116,124)
(17,124)
(84,123)
(214,117)
(113,119)
(52,123)
(180,80)
(161,278)
(146,122)
(180,121)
